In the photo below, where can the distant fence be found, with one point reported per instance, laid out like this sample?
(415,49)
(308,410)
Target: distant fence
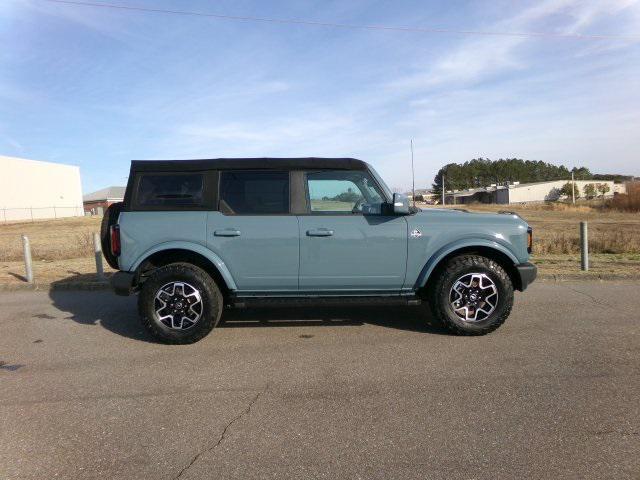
(31,214)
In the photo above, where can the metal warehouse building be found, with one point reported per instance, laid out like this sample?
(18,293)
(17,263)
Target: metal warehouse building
(525,192)
(33,190)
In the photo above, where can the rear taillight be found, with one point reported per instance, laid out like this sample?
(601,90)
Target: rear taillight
(529,240)
(115,240)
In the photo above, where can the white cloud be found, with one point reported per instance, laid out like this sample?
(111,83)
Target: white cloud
(481,57)
(276,135)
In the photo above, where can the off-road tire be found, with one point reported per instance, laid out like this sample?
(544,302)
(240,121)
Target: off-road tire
(211,298)
(109,218)
(454,269)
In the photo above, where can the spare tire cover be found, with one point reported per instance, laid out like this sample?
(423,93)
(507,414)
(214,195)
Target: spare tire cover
(110,218)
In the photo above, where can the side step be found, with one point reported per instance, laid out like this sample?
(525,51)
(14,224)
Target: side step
(316,301)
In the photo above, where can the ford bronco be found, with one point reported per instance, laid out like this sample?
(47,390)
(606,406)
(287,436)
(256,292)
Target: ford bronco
(195,236)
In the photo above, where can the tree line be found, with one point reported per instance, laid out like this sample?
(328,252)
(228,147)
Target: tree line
(482,172)
(590,190)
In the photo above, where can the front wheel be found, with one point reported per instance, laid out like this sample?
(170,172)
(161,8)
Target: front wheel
(180,303)
(473,295)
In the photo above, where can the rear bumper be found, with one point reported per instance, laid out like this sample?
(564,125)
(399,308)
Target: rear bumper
(527,273)
(123,283)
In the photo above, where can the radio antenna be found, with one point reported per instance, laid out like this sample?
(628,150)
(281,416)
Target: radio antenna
(413,177)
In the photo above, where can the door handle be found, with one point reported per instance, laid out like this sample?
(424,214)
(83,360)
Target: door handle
(227,232)
(319,232)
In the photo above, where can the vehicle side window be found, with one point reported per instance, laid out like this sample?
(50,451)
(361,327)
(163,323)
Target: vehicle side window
(343,191)
(170,190)
(254,192)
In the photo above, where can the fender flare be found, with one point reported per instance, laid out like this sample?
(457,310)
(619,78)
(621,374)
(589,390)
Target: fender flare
(193,247)
(449,248)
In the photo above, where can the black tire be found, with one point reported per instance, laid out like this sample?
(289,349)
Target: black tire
(211,298)
(456,268)
(109,218)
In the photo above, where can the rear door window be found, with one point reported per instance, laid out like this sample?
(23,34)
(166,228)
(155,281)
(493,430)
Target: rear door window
(171,190)
(254,192)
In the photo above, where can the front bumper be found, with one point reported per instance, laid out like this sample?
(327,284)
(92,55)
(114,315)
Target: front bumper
(123,283)
(527,273)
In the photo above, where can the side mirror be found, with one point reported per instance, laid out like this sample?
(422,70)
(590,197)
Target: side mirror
(400,204)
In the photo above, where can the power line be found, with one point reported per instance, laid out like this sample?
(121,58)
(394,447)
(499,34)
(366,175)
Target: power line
(292,21)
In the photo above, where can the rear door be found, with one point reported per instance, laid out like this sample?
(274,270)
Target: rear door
(346,243)
(253,231)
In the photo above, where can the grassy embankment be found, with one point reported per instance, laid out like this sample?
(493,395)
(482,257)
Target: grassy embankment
(63,249)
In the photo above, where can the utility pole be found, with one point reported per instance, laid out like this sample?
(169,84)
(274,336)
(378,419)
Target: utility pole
(573,189)
(413,177)
(443,189)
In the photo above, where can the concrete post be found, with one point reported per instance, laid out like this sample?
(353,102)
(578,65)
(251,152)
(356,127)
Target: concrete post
(584,247)
(97,248)
(28,264)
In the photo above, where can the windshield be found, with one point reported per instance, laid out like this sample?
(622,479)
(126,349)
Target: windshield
(383,186)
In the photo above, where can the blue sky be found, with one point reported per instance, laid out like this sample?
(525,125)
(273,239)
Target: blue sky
(98,87)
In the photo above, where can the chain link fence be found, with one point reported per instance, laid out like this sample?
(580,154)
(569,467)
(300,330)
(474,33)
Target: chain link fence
(26,214)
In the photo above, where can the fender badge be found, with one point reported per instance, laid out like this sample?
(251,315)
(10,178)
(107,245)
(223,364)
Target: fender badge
(415,233)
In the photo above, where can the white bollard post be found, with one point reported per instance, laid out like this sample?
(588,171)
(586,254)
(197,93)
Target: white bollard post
(28,265)
(584,247)
(97,248)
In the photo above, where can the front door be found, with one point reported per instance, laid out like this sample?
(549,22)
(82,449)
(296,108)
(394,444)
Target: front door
(346,244)
(254,233)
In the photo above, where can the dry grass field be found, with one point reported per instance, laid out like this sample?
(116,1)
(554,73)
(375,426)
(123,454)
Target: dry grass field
(556,227)
(50,239)
(62,249)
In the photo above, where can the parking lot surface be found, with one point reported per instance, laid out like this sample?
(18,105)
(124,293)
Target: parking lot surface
(322,393)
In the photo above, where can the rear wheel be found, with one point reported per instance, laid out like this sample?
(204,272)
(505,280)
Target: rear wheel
(180,303)
(473,295)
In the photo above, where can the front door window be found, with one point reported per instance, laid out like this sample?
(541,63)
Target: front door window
(343,192)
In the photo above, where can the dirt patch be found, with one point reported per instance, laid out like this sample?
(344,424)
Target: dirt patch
(45,271)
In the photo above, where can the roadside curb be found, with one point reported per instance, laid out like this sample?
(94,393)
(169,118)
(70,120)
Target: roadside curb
(586,277)
(40,287)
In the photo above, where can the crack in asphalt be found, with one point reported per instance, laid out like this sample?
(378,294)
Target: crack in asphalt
(595,300)
(211,448)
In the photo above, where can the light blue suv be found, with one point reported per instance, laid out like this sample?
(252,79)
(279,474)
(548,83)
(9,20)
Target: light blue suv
(194,236)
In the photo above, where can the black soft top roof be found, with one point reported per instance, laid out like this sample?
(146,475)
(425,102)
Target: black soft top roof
(249,164)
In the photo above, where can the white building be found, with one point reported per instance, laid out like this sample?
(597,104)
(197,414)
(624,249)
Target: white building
(526,192)
(544,191)
(31,189)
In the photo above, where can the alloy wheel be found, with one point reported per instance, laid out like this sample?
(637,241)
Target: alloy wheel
(473,297)
(178,305)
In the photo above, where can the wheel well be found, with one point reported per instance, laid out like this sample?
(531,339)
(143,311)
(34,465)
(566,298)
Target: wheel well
(496,255)
(177,255)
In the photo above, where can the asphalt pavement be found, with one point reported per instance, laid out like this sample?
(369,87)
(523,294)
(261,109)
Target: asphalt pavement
(371,393)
